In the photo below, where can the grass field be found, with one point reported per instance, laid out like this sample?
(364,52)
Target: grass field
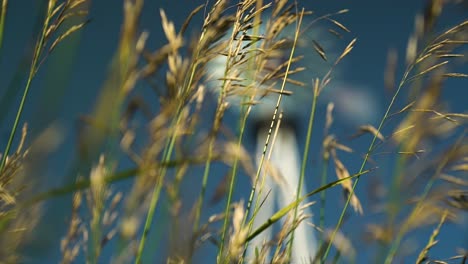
(159,128)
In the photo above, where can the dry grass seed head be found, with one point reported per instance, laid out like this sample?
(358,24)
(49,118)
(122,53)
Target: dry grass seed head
(319,86)
(458,199)
(425,214)
(342,244)
(379,233)
(12,172)
(243,51)
(341,173)
(17,223)
(415,122)
(98,192)
(434,165)
(160,132)
(72,242)
(233,151)
(282,238)
(59,14)
(239,232)
(329,117)
(369,129)
(462,165)
(390,70)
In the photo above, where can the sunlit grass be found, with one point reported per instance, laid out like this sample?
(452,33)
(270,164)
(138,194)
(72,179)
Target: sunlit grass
(424,140)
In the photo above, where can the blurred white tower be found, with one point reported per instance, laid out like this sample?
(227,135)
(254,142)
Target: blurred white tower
(285,158)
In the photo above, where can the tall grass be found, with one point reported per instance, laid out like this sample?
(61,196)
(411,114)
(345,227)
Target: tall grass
(425,141)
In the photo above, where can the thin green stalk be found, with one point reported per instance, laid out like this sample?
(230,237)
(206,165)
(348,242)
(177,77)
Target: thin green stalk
(432,239)
(2,20)
(217,121)
(270,130)
(204,183)
(119,176)
(427,188)
(395,201)
(364,162)
(283,211)
(304,163)
(32,73)
(336,257)
(221,98)
(308,137)
(259,194)
(236,160)
(77,186)
(322,197)
(231,190)
(245,110)
(167,153)
(267,142)
(253,190)
(157,189)
(395,197)
(96,233)
(13,88)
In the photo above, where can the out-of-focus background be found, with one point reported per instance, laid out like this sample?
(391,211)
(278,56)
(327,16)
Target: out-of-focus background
(67,86)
